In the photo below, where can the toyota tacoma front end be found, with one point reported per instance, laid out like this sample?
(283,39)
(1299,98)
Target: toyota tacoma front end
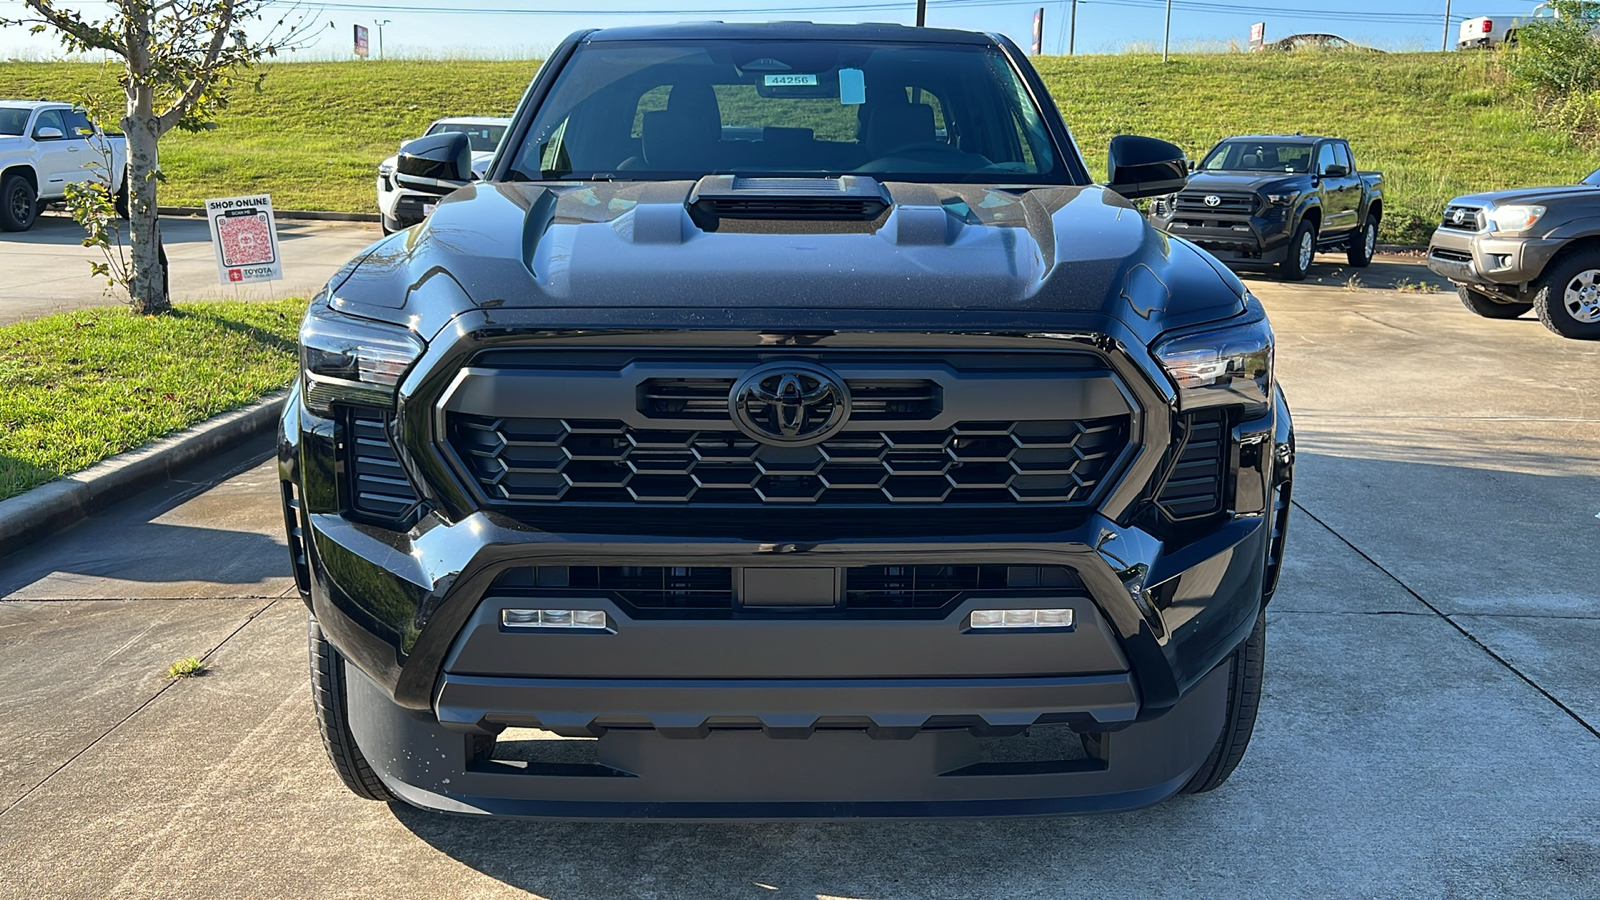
(786,428)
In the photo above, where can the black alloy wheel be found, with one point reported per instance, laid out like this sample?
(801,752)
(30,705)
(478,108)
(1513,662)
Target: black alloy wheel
(19,204)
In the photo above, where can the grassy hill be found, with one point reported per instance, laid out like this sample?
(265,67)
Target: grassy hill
(1438,125)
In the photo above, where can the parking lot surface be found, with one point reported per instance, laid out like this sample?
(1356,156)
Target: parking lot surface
(1429,727)
(46,270)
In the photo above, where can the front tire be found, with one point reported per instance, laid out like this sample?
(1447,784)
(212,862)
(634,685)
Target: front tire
(1489,307)
(1302,250)
(19,204)
(1567,296)
(332,704)
(1239,722)
(1363,244)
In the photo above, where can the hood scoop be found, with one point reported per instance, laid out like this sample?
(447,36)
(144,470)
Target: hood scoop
(847,198)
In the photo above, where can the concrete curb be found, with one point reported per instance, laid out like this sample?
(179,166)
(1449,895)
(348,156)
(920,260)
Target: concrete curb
(35,514)
(308,214)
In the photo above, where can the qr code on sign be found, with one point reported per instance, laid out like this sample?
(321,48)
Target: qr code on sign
(246,239)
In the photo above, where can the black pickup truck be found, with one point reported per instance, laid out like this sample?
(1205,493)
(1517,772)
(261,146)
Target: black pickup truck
(786,426)
(1262,199)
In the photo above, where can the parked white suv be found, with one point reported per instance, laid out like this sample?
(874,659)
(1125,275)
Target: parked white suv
(46,146)
(402,208)
(1484,32)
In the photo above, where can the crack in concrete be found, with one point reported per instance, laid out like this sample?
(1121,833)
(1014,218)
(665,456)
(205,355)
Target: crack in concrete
(1447,619)
(139,709)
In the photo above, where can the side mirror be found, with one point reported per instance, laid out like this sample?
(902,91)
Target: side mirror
(436,164)
(48,134)
(1335,171)
(1145,167)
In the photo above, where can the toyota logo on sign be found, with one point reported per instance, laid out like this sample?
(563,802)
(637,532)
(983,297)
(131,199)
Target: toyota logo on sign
(1213,200)
(790,404)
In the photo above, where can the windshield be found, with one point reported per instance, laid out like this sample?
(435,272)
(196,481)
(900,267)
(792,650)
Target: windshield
(13,120)
(483,138)
(661,110)
(1258,156)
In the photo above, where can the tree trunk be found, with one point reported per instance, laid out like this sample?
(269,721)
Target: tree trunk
(147,286)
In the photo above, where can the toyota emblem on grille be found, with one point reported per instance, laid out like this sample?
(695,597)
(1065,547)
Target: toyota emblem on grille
(1458,216)
(790,404)
(1213,200)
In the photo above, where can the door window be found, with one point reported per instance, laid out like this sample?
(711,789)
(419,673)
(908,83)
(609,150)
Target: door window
(78,127)
(1324,158)
(50,118)
(1341,154)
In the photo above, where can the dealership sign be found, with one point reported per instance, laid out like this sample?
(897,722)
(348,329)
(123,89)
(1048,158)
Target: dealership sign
(1258,35)
(361,41)
(245,238)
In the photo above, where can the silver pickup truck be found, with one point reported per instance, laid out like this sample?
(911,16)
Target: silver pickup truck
(1538,249)
(44,147)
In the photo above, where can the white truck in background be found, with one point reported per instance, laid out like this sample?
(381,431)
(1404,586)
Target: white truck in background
(44,147)
(1484,32)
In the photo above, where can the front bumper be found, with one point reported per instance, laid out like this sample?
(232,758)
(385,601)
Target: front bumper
(1504,263)
(781,704)
(1234,239)
(400,206)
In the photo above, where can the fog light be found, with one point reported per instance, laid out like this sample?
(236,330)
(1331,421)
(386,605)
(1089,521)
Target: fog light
(1021,618)
(554,618)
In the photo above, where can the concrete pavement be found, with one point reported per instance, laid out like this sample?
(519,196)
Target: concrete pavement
(46,270)
(1429,727)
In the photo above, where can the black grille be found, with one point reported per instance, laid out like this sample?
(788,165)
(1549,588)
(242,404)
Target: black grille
(541,461)
(1195,202)
(378,486)
(707,398)
(710,588)
(1452,255)
(1462,218)
(1194,485)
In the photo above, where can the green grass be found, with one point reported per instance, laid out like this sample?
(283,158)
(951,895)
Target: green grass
(1437,124)
(188,667)
(80,387)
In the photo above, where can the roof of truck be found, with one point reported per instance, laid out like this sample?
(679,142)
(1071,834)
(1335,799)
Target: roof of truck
(1281,138)
(801,31)
(32,104)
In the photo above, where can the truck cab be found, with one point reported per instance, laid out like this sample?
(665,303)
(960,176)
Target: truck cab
(46,147)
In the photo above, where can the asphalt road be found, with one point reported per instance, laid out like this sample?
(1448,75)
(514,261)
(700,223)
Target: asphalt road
(1429,727)
(46,269)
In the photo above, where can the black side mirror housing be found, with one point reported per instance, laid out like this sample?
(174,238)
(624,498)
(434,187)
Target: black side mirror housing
(1335,171)
(436,164)
(1145,167)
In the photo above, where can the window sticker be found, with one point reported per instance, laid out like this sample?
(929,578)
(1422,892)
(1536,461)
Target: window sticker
(790,80)
(852,87)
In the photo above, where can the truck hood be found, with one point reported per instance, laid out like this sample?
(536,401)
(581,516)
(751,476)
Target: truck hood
(1530,195)
(938,249)
(1258,182)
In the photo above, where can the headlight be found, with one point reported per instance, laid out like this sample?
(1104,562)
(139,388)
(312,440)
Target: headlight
(352,360)
(1217,368)
(385,169)
(1281,199)
(1513,219)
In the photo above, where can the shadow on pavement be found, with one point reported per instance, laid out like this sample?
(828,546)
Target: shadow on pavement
(1385,274)
(154,553)
(57,228)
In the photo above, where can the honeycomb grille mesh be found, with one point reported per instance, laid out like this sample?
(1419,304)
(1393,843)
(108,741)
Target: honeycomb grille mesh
(544,461)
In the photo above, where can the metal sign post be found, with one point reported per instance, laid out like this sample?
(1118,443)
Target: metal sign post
(1166,36)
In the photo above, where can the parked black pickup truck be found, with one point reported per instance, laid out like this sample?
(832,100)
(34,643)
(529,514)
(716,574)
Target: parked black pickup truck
(790,425)
(1264,199)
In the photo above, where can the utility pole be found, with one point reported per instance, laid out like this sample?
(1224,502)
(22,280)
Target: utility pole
(922,13)
(1072,29)
(1444,44)
(1166,37)
(380,34)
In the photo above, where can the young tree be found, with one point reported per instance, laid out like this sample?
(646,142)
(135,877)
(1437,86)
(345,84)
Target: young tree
(180,59)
